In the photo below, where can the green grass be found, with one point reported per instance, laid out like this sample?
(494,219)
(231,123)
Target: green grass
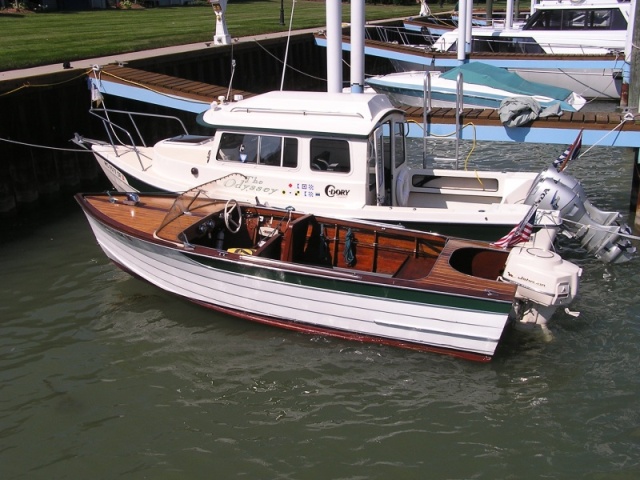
(36,39)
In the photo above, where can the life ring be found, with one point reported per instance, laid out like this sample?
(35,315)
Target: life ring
(402,188)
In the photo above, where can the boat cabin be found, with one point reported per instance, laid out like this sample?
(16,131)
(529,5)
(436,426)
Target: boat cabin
(342,149)
(589,27)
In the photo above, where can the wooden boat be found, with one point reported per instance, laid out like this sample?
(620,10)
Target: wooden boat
(321,275)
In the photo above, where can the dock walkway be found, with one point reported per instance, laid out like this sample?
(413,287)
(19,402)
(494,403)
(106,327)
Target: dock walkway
(603,128)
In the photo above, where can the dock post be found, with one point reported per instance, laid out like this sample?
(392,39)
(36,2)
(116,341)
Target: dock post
(221,36)
(632,59)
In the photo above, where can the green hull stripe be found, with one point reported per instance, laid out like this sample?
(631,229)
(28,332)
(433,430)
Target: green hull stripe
(357,288)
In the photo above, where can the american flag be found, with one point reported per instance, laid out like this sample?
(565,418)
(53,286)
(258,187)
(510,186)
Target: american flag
(571,153)
(520,233)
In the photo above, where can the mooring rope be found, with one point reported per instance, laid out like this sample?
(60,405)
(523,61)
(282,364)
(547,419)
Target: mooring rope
(626,118)
(28,85)
(288,66)
(46,147)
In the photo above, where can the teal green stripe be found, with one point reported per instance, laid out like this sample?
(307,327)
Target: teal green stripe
(357,288)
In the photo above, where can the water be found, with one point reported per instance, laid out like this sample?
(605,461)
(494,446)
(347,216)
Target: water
(103,376)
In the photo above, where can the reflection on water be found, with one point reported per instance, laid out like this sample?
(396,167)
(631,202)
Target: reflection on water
(103,375)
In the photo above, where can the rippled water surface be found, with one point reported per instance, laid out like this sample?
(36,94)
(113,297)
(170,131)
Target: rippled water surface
(103,376)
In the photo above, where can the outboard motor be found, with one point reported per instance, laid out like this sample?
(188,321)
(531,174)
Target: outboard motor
(597,231)
(545,282)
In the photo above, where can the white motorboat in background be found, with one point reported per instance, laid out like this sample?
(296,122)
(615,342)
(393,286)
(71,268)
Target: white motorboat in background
(484,86)
(585,27)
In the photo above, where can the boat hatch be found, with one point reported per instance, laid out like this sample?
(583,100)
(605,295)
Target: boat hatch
(479,262)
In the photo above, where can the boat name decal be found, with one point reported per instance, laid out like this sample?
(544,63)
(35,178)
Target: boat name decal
(332,191)
(117,173)
(250,183)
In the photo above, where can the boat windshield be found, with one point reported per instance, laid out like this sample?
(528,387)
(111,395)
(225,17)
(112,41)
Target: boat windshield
(577,19)
(193,199)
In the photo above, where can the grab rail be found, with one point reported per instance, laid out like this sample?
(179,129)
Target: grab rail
(113,128)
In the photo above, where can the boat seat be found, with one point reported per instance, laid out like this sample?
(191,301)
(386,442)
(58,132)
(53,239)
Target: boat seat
(321,161)
(295,235)
(269,247)
(316,251)
(413,268)
(229,154)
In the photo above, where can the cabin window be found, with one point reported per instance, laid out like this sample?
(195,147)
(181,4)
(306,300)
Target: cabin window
(290,153)
(609,20)
(270,151)
(328,154)
(398,143)
(506,45)
(230,144)
(592,19)
(262,149)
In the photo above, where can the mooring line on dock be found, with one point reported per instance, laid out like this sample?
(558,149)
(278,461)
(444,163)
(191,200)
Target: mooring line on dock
(28,85)
(628,117)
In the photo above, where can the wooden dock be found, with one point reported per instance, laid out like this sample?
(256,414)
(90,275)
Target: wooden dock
(487,122)
(166,87)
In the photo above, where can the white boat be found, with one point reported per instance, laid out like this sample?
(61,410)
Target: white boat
(577,45)
(585,27)
(483,86)
(342,155)
(332,276)
(591,76)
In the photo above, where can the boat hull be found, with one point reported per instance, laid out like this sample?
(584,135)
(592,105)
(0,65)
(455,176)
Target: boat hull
(408,88)
(591,83)
(308,302)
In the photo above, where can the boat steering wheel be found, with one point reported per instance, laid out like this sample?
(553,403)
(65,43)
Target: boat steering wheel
(232,223)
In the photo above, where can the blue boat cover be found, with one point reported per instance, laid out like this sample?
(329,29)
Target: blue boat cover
(482,74)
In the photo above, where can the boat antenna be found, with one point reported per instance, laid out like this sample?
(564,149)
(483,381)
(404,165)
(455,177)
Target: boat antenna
(286,51)
(233,70)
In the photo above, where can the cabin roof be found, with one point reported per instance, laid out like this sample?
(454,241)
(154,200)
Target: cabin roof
(308,112)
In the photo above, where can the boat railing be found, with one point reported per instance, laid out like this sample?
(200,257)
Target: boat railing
(459,107)
(426,112)
(398,35)
(115,132)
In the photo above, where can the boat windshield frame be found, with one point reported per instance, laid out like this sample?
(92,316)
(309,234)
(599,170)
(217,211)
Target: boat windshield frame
(193,199)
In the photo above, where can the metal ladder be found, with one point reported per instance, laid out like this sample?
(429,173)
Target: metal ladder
(426,112)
